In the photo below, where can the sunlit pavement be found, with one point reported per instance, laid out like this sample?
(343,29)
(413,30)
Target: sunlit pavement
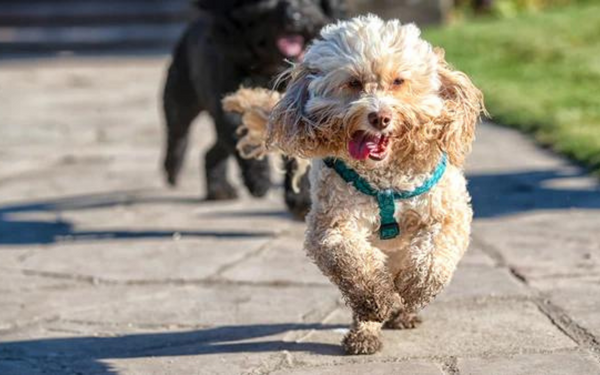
(105,270)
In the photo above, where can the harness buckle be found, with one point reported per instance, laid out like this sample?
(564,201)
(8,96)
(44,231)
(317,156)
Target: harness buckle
(389,231)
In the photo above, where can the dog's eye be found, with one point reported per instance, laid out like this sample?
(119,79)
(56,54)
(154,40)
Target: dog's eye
(355,84)
(398,82)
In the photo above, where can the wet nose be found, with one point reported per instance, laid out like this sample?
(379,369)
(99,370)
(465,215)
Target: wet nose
(380,120)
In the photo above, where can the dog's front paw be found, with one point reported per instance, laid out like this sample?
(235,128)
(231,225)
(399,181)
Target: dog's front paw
(375,307)
(363,339)
(401,320)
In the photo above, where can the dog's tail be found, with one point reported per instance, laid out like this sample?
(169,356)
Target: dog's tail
(255,106)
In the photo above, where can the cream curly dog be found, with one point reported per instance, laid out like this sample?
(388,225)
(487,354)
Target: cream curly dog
(386,124)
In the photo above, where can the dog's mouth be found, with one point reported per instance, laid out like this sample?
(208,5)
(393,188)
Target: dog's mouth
(365,145)
(291,46)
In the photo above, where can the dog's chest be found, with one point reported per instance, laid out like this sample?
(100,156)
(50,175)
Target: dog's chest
(342,197)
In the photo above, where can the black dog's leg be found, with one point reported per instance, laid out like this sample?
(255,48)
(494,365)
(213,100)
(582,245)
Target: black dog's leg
(181,106)
(217,185)
(297,202)
(215,165)
(256,175)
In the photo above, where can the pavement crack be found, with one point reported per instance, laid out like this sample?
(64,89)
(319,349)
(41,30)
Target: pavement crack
(62,276)
(557,316)
(561,320)
(499,259)
(151,326)
(254,253)
(16,327)
(516,273)
(489,250)
(99,282)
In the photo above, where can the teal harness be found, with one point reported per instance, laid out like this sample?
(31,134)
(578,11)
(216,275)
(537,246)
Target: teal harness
(386,198)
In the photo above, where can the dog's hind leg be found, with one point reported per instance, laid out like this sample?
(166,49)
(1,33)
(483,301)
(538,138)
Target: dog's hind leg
(216,159)
(181,106)
(215,165)
(400,319)
(297,198)
(256,175)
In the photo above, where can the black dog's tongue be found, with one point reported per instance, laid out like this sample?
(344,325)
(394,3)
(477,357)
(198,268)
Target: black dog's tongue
(291,45)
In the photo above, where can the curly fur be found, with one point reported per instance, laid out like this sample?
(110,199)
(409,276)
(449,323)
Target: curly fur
(255,106)
(433,110)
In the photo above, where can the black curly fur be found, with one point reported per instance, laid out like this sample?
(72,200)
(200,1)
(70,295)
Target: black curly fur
(232,43)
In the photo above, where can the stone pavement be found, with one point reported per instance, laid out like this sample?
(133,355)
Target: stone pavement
(103,270)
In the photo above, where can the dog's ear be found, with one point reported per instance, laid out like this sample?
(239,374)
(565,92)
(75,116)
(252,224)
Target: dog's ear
(255,106)
(289,129)
(463,105)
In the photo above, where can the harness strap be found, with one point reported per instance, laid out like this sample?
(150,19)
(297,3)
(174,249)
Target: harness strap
(387,207)
(389,228)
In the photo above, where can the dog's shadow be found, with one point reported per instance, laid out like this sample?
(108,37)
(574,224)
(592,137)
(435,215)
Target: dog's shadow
(493,195)
(503,194)
(86,354)
(14,230)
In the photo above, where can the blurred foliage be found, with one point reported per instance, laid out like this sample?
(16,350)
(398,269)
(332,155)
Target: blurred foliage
(540,72)
(508,8)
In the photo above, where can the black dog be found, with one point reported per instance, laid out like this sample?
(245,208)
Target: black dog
(234,43)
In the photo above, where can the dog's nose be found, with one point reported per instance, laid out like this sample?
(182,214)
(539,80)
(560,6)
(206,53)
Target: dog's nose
(380,120)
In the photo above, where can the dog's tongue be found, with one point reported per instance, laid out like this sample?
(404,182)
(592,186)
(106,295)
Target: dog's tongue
(291,45)
(361,145)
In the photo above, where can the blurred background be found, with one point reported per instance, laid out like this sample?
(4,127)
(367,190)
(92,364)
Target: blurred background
(535,59)
(103,269)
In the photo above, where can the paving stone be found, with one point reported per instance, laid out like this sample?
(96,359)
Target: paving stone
(77,87)
(170,305)
(480,282)
(206,287)
(165,258)
(578,297)
(192,364)
(15,281)
(508,175)
(476,257)
(283,261)
(123,215)
(217,305)
(137,332)
(219,350)
(532,364)
(399,368)
(546,244)
(495,149)
(453,329)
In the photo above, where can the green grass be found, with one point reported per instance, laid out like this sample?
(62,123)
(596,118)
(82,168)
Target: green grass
(539,72)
